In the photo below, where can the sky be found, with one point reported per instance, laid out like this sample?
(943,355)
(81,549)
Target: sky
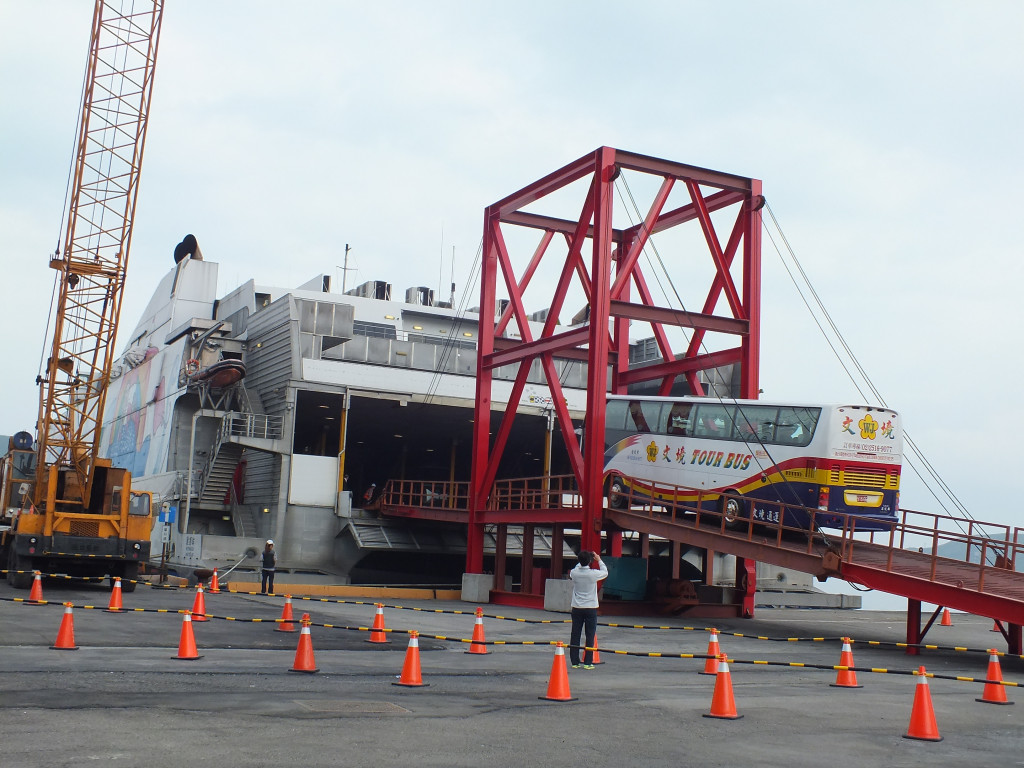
(886,135)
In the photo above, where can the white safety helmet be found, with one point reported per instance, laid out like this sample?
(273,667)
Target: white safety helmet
(270,541)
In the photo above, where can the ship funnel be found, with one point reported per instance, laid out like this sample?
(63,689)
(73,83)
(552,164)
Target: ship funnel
(189,246)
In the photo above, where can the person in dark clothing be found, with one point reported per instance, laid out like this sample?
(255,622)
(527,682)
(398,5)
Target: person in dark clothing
(269,565)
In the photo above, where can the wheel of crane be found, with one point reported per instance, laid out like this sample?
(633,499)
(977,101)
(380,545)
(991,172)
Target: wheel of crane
(16,563)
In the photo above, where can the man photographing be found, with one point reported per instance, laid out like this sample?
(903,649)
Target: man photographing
(584,605)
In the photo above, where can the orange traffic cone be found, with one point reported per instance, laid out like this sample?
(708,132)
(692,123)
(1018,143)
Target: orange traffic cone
(377,634)
(199,605)
(115,598)
(287,618)
(187,644)
(711,665)
(922,716)
(304,661)
(477,646)
(846,678)
(411,677)
(35,596)
(214,583)
(947,621)
(994,693)
(66,633)
(558,682)
(597,654)
(723,705)
(995,626)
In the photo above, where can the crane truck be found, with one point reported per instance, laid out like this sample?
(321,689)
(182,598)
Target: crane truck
(63,508)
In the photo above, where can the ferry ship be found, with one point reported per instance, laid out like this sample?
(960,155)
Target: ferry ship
(280,413)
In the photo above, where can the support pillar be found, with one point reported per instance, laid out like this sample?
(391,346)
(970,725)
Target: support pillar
(557,545)
(526,578)
(500,563)
(707,566)
(913,626)
(746,584)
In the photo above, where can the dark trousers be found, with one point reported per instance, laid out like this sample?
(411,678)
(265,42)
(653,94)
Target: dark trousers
(583,619)
(268,581)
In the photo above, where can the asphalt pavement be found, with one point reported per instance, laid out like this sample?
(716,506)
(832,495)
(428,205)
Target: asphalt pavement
(125,698)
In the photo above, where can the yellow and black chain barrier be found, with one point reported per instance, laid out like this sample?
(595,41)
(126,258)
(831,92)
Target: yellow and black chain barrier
(338,601)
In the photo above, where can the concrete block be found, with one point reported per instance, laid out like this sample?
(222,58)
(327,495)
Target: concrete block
(558,595)
(476,587)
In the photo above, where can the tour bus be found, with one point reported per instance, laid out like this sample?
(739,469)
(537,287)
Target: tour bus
(753,459)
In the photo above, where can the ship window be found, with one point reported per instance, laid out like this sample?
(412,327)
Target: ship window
(324,317)
(378,330)
(307,315)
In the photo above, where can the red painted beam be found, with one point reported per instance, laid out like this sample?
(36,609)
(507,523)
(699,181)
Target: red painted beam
(686,213)
(582,355)
(515,352)
(971,601)
(660,167)
(679,317)
(681,366)
(550,515)
(563,176)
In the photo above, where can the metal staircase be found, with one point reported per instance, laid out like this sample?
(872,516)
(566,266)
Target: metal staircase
(215,487)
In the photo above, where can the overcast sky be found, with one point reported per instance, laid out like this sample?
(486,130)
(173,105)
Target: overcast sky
(887,136)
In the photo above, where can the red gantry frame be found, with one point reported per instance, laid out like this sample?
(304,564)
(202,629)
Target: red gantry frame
(617,292)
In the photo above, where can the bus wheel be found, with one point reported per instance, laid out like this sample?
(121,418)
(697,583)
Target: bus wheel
(616,494)
(733,512)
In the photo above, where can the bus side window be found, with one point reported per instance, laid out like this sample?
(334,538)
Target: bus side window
(796,425)
(616,415)
(714,421)
(756,423)
(637,415)
(679,419)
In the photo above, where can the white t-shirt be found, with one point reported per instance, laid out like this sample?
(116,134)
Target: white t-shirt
(584,584)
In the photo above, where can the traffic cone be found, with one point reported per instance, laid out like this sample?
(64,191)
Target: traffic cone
(597,654)
(995,626)
(287,618)
(377,634)
(66,633)
(199,605)
(477,646)
(558,682)
(304,661)
(35,596)
(994,693)
(187,644)
(922,716)
(723,705)
(115,599)
(411,677)
(214,583)
(711,665)
(846,678)
(947,621)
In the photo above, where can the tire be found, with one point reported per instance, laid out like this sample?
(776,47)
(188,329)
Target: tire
(17,563)
(617,493)
(734,514)
(129,577)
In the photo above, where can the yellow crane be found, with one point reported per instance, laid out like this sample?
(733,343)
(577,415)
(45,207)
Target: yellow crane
(62,507)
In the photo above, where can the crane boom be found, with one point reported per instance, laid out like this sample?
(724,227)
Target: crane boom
(92,265)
